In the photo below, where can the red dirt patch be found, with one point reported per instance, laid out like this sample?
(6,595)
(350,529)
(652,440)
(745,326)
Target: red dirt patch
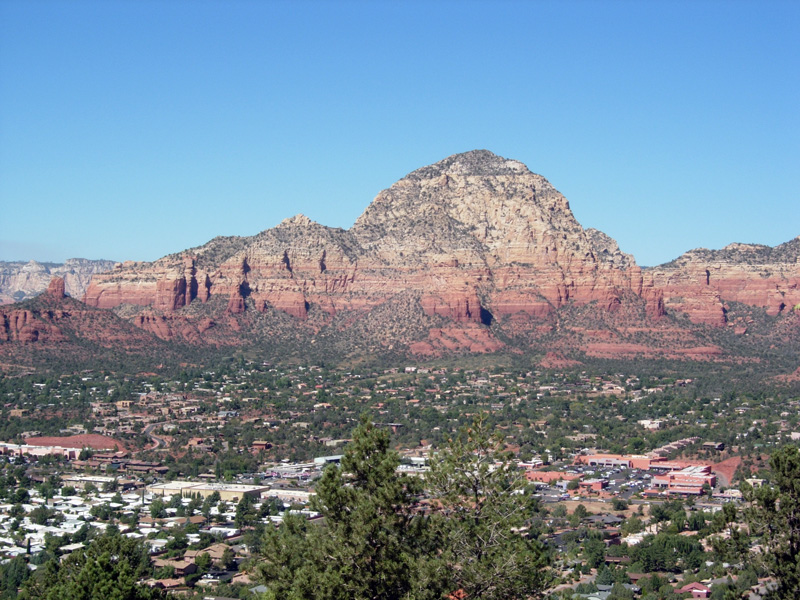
(789,377)
(90,440)
(727,468)
(457,339)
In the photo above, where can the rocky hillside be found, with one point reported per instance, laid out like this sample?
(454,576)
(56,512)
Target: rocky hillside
(55,331)
(701,282)
(472,254)
(475,236)
(22,280)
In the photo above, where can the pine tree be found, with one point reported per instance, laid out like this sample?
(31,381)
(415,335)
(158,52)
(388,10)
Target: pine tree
(369,542)
(107,568)
(775,514)
(378,543)
(482,515)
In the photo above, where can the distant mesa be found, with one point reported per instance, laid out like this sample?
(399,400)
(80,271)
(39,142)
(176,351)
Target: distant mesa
(23,280)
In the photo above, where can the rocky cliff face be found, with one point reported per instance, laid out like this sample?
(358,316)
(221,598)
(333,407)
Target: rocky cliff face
(468,254)
(700,282)
(483,227)
(53,331)
(475,236)
(30,325)
(20,281)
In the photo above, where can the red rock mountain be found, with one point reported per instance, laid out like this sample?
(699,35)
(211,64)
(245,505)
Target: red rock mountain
(474,253)
(54,330)
(701,282)
(474,237)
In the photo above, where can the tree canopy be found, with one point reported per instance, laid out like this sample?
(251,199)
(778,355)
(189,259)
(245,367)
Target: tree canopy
(108,568)
(370,538)
(482,511)
(388,535)
(775,514)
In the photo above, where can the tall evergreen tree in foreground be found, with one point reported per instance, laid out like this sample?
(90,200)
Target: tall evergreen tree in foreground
(483,511)
(775,514)
(371,535)
(107,568)
(377,542)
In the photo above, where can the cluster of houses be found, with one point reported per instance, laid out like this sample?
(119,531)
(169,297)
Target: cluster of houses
(21,533)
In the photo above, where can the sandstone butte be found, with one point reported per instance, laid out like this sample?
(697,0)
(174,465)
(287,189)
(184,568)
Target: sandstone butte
(475,239)
(26,326)
(472,233)
(701,282)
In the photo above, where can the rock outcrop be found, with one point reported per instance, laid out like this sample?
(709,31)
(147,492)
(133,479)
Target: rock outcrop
(700,282)
(53,329)
(29,326)
(57,288)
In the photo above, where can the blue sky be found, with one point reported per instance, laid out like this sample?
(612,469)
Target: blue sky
(130,130)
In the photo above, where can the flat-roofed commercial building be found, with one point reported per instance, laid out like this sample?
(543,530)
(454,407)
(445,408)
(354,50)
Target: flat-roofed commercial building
(227,491)
(689,478)
(81,480)
(170,488)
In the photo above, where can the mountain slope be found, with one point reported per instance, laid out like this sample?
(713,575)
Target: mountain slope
(472,254)
(472,235)
(55,331)
(701,281)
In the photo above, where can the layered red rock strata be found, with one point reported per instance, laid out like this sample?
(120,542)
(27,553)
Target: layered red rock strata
(478,237)
(700,282)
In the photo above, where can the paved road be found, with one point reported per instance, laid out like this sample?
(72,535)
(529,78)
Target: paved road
(158,442)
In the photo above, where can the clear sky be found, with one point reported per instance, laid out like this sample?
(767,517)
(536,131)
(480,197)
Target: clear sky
(133,129)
